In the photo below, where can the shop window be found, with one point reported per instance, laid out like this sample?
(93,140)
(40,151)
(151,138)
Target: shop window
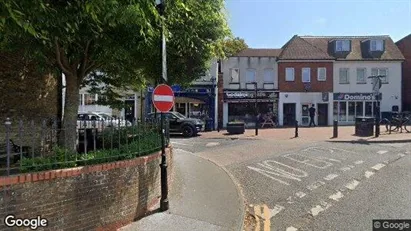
(344,76)
(268,76)
(335,111)
(359,110)
(234,75)
(289,74)
(351,111)
(342,111)
(89,99)
(250,75)
(361,78)
(368,109)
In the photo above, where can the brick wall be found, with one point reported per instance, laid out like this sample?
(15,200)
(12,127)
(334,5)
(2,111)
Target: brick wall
(405,47)
(98,197)
(297,85)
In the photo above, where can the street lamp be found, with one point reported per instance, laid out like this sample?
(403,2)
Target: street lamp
(376,90)
(256,108)
(164,205)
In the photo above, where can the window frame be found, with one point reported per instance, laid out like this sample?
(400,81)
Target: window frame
(249,70)
(318,74)
(272,80)
(293,74)
(347,77)
(231,75)
(343,42)
(365,75)
(377,42)
(378,73)
(309,74)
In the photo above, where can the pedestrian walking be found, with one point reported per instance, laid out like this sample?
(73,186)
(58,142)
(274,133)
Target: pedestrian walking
(312,114)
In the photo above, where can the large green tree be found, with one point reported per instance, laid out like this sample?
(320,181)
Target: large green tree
(117,40)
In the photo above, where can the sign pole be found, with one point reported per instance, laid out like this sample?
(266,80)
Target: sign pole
(164,205)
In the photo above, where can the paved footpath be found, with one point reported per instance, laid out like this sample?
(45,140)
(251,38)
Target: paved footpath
(203,197)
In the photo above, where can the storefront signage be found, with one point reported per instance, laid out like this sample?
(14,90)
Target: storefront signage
(354,96)
(249,95)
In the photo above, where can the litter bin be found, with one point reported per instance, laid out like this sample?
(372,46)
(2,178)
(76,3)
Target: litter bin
(364,126)
(208,125)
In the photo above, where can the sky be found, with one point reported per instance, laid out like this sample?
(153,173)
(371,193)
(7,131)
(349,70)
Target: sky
(271,23)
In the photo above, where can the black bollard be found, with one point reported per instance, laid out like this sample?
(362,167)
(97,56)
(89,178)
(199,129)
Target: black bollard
(335,129)
(218,126)
(296,129)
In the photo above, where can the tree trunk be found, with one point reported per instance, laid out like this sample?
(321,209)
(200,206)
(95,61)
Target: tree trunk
(68,136)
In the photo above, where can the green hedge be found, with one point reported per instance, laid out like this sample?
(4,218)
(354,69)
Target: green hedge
(145,142)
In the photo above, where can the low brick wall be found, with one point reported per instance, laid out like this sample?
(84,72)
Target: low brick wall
(97,197)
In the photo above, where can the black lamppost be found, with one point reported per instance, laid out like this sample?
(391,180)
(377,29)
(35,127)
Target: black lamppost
(376,89)
(256,108)
(164,205)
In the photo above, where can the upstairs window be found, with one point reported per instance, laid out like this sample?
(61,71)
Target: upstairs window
(289,74)
(342,45)
(321,74)
(268,76)
(380,71)
(361,78)
(306,75)
(376,45)
(89,99)
(250,75)
(344,76)
(234,75)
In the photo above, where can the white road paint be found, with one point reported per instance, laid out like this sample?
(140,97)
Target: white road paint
(267,174)
(378,166)
(300,194)
(401,154)
(271,168)
(320,208)
(382,152)
(330,177)
(310,161)
(359,162)
(276,210)
(352,185)
(315,185)
(291,228)
(346,168)
(212,144)
(336,196)
(368,174)
(290,200)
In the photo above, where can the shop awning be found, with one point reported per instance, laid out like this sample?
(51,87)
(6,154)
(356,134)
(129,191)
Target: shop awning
(188,100)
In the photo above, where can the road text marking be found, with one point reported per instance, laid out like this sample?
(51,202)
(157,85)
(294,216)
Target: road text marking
(276,210)
(291,228)
(359,162)
(337,196)
(368,174)
(382,152)
(320,208)
(331,177)
(315,185)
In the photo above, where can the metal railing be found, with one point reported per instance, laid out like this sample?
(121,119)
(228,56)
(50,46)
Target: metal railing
(30,146)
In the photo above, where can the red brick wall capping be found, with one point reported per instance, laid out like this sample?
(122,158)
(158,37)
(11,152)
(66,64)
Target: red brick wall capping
(97,197)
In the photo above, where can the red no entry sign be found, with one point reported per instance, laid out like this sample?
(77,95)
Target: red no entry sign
(163,98)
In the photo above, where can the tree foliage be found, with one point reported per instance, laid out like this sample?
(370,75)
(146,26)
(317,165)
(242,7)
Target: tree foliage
(234,46)
(117,40)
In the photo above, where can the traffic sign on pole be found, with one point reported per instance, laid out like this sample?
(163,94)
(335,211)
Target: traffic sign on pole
(163,98)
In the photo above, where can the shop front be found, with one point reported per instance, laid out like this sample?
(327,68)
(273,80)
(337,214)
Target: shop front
(194,102)
(240,106)
(347,106)
(294,106)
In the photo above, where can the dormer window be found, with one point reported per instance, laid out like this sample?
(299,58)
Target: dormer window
(342,45)
(376,45)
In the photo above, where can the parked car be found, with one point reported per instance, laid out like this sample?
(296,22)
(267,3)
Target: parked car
(100,119)
(179,123)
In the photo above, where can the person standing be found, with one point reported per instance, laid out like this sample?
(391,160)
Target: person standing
(312,115)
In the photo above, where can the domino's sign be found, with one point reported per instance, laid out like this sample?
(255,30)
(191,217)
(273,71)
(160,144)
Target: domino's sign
(355,96)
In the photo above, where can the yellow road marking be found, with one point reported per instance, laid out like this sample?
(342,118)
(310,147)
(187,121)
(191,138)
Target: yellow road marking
(257,212)
(267,222)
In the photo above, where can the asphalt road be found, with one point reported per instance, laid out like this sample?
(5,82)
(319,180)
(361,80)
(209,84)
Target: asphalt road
(290,185)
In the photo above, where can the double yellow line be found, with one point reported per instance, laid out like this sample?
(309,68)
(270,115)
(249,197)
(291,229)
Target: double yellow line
(263,212)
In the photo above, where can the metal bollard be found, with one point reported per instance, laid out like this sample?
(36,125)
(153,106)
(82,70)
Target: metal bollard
(296,129)
(335,129)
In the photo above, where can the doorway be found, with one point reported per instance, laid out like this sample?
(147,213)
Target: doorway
(322,114)
(289,114)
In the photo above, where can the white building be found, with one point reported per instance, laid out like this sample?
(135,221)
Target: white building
(239,74)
